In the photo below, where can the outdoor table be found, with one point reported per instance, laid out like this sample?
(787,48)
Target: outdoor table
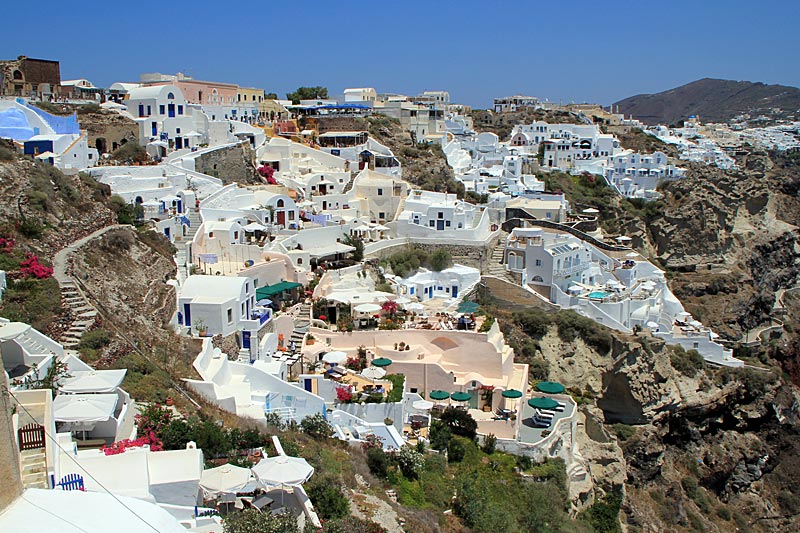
(262,501)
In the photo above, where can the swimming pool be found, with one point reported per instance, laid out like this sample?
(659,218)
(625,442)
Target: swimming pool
(598,294)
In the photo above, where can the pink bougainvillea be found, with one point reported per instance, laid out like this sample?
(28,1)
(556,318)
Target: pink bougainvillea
(33,269)
(343,394)
(6,244)
(120,446)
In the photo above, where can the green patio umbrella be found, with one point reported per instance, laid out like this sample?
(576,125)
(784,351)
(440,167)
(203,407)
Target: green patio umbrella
(543,403)
(382,361)
(467,307)
(461,396)
(512,393)
(439,395)
(550,387)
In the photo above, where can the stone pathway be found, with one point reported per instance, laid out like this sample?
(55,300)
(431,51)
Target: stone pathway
(83,314)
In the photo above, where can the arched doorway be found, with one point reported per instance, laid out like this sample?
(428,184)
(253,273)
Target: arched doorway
(100,144)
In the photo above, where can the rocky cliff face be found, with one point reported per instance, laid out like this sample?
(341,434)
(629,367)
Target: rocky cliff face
(713,450)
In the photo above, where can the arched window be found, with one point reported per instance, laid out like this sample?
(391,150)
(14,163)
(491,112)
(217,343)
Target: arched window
(299,260)
(538,278)
(170,96)
(280,203)
(17,75)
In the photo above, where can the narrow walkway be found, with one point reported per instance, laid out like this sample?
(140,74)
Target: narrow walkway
(82,313)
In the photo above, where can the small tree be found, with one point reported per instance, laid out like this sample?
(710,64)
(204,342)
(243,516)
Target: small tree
(456,451)
(307,93)
(410,462)
(439,260)
(460,422)
(489,444)
(358,244)
(316,426)
(439,435)
(378,462)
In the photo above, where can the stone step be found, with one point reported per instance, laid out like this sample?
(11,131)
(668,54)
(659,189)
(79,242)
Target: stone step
(88,314)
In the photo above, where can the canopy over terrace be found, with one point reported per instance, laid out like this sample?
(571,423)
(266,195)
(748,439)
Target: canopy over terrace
(268,291)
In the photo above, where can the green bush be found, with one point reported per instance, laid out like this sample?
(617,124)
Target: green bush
(439,260)
(254,521)
(316,426)
(378,462)
(623,431)
(396,394)
(456,450)
(34,301)
(603,516)
(489,444)
(95,339)
(724,513)
(328,499)
(439,435)
(687,363)
(534,322)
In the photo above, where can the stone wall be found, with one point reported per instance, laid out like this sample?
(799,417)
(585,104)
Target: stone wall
(232,164)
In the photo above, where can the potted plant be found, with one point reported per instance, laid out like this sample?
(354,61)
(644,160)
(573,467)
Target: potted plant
(200,326)
(310,340)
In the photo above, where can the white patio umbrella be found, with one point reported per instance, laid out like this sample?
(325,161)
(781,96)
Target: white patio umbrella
(373,372)
(254,226)
(225,479)
(162,144)
(84,407)
(415,307)
(335,357)
(282,470)
(367,308)
(92,381)
(422,405)
(632,254)
(623,238)
(652,325)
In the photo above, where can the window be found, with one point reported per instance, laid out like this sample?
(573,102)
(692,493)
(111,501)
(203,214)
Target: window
(162,109)
(247,287)
(291,215)
(413,389)
(210,234)
(170,96)
(447,223)
(149,111)
(431,223)
(180,110)
(280,203)
(441,215)
(243,312)
(538,262)
(382,215)
(380,192)
(230,315)
(236,235)
(178,131)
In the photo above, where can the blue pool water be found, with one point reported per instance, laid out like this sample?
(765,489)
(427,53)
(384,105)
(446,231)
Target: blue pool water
(598,294)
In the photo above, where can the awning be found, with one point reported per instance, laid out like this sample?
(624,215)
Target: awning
(84,407)
(271,290)
(331,249)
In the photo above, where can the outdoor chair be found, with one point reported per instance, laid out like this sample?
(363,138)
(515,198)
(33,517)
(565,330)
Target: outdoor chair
(71,482)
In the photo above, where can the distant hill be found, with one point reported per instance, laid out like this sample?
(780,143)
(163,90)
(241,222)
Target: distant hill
(713,101)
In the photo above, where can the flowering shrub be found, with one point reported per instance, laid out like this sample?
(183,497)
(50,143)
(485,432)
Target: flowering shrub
(120,446)
(343,395)
(267,172)
(323,318)
(410,461)
(33,269)
(356,363)
(390,307)
(6,244)
(371,441)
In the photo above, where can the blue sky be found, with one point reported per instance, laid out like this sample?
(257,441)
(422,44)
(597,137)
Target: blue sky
(569,51)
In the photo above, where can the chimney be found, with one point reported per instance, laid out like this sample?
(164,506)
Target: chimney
(9,452)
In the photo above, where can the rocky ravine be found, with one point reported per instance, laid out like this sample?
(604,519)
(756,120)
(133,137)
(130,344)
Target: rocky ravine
(713,451)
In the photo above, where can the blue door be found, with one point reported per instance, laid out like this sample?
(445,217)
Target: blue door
(171,110)
(155,129)
(307,384)
(439,225)
(246,340)
(187,314)
(454,291)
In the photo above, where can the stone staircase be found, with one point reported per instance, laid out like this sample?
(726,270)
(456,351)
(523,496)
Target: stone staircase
(182,258)
(496,266)
(82,312)
(349,184)
(301,325)
(33,466)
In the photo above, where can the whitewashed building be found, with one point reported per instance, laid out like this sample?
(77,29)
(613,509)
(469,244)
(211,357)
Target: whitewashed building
(216,304)
(635,175)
